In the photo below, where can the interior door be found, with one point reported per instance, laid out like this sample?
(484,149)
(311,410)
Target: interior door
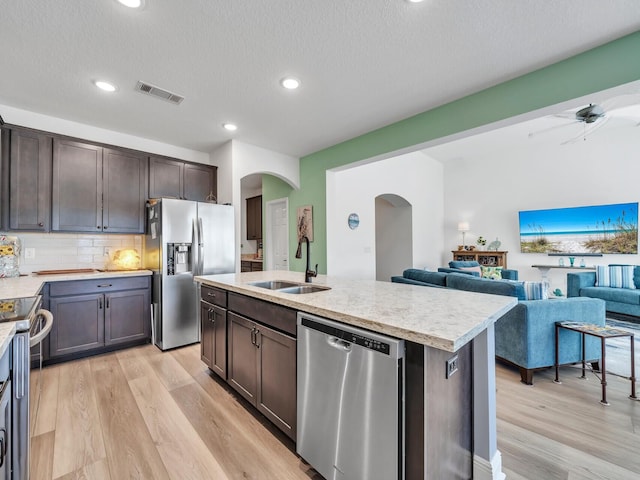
(277,241)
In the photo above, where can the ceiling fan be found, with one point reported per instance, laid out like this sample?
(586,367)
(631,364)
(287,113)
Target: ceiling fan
(594,116)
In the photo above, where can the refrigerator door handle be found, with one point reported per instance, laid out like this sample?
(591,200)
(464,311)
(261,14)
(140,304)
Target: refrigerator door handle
(195,248)
(200,248)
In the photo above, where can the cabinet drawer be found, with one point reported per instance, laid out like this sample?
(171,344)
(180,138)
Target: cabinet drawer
(276,316)
(213,295)
(99,285)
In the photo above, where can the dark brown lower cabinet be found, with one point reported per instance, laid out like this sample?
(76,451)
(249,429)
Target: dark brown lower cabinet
(262,368)
(86,320)
(213,338)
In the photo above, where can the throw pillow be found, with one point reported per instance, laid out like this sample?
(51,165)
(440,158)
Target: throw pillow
(602,276)
(472,269)
(536,290)
(621,276)
(494,273)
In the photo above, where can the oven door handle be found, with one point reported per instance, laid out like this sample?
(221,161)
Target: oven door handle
(48,323)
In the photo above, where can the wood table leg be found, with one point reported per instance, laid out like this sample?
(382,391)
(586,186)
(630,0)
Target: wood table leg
(584,353)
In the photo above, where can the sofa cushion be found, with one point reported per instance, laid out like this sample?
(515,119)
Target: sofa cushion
(463,263)
(476,269)
(434,278)
(602,276)
(615,276)
(621,295)
(536,290)
(636,272)
(494,273)
(469,283)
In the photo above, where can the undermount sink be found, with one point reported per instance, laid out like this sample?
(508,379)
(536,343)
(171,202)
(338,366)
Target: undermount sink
(288,287)
(274,284)
(304,289)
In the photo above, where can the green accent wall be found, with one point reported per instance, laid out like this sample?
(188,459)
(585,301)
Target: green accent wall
(607,66)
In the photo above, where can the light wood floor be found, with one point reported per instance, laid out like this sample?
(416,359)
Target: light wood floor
(141,413)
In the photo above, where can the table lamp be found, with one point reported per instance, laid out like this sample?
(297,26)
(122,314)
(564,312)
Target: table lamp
(463,227)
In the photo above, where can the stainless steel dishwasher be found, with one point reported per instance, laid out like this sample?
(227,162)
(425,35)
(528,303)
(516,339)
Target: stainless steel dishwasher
(350,401)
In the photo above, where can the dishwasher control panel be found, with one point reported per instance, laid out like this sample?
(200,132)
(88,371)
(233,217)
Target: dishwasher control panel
(355,338)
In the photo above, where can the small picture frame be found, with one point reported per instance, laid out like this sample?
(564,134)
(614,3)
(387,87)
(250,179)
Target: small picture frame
(305,222)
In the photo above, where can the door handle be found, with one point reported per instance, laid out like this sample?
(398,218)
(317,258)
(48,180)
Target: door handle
(339,344)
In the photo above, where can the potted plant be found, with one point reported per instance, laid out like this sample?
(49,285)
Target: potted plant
(481,242)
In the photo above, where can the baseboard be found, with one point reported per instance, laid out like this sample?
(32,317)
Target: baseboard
(485,470)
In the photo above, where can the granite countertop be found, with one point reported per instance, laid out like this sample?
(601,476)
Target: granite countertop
(443,318)
(29,285)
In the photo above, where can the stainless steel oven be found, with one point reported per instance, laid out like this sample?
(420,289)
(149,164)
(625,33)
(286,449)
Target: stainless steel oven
(32,326)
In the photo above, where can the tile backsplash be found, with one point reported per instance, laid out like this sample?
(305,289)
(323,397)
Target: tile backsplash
(57,251)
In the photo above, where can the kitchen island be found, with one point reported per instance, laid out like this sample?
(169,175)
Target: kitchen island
(450,416)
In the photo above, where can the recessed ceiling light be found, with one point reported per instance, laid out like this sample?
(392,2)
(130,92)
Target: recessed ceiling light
(232,127)
(290,83)
(132,3)
(415,1)
(106,86)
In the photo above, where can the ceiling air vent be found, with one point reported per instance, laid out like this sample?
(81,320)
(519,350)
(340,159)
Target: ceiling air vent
(159,92)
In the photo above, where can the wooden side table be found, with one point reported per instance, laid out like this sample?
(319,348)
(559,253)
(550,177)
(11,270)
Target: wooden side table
(602,333)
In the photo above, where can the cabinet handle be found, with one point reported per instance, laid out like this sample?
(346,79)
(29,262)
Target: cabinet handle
(107,302)
(40,224)
(105,227)
(257,338)
(100,304)
(98,227)
(253,336)
(209,294)
(105,285)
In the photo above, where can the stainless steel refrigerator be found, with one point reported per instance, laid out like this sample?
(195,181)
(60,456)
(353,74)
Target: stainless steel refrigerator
(184,239)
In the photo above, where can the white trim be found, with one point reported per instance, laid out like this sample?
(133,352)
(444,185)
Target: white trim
(268,243)
(485,470)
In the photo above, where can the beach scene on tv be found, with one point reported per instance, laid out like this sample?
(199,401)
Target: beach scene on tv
(592,229)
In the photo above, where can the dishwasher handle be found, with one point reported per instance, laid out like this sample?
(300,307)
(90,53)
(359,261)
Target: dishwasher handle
(339,344)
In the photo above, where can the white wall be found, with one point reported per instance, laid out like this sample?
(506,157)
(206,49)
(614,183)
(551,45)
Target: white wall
(60,126)
(413,176)
(394,239)
(236,160)
(489,191)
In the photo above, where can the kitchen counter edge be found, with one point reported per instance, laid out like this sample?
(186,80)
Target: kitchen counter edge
(429,316)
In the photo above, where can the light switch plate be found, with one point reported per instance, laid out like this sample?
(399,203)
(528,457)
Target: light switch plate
(452,366)
(29,253)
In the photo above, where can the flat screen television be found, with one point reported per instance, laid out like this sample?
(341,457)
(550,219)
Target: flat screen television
(595,229)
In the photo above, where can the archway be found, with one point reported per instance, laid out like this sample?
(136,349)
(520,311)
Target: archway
(394,233)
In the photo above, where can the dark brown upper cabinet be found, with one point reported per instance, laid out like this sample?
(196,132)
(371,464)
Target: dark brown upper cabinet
(254,218)
(30,181)
(177,179)
(97,189)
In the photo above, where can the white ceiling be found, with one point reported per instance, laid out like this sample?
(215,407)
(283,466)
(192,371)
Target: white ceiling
(363,63)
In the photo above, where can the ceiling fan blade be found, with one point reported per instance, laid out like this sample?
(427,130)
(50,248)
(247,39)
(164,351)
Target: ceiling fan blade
(550,129)
(588,130)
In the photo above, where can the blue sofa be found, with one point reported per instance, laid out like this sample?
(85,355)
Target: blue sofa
(525,336)
(618,300)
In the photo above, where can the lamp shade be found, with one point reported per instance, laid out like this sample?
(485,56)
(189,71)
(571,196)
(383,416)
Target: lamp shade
(463,226)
